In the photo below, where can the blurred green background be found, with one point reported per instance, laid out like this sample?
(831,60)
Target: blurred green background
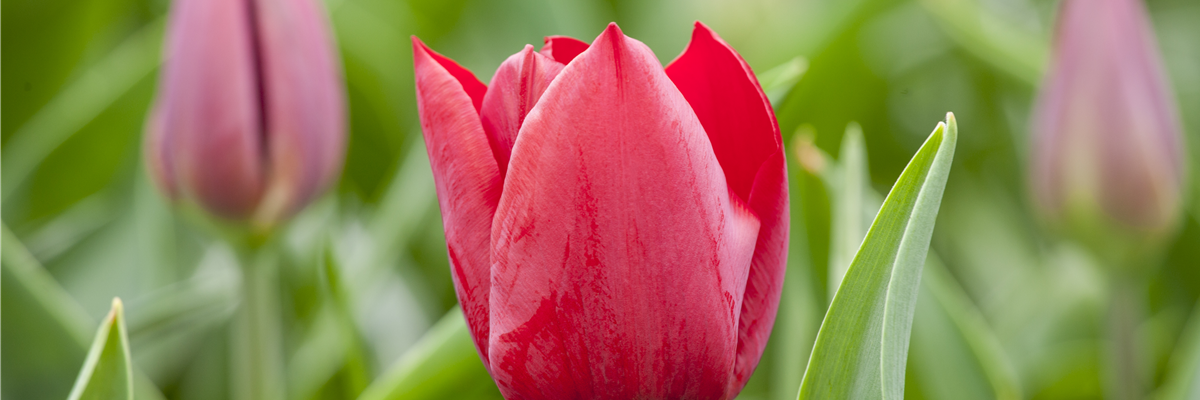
(1007,309)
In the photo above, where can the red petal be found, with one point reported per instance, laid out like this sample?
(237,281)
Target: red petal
(620,256)
(209,109)
(563,48)
(470,84)
(516,87)
(739,121)
(303,103)
(467,180)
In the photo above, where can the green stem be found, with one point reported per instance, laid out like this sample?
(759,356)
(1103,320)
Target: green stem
(258,370)
(1124,315)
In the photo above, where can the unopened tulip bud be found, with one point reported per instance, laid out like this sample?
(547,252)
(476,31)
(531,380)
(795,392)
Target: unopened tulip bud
(1108,151)
(249,121)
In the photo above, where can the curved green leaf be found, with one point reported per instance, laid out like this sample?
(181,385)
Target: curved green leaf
(862,347)
(442,365)
(1184,377)
(955,353)
(107,372)
(79,103)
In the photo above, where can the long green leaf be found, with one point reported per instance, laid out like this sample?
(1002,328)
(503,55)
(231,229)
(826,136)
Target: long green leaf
(442,365)
(850,215)
(955,352)
(1003,44)
(1183,381)
(862,347)
(107,372)
(79,103)
(63,316)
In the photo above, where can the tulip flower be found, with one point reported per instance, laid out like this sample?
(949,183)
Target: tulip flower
(615,229)
(1107,139)
(249,120)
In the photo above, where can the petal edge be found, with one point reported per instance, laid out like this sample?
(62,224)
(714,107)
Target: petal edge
(467,180)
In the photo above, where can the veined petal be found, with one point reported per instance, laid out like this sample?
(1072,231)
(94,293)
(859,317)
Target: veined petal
(212,130)
(466,177)
(303,103)
(563,48)
(739,121)
(620,256)
(516,87)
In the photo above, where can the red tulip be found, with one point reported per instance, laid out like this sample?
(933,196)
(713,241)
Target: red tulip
(1109,148)
(249,121)
(615,230)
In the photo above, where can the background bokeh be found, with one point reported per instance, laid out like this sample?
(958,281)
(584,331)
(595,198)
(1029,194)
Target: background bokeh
(1008,309)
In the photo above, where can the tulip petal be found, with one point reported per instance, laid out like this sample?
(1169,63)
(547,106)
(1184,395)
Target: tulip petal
(156,149)
(619,254)
(303,104)
(739,121)
(516,87)
(563,48)
(466,177)
(212,130)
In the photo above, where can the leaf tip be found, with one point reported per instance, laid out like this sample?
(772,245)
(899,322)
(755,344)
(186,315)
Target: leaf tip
(118,308)
(951,124)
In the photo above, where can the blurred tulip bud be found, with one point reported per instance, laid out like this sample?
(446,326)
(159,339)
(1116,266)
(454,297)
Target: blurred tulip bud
(1108,150)
(249,120)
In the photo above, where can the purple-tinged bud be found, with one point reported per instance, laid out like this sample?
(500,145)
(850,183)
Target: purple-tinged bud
(1107,149)
(250,117)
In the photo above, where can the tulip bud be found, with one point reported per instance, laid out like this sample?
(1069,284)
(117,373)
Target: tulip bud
(249,119)
(1108,153)
(615,229)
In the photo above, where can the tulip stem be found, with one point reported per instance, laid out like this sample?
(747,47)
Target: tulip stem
(258,372)
(1123,355)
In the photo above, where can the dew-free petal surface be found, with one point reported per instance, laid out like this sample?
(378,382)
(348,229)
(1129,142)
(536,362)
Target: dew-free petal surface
(563,48)
(620,256)
(466,177)
(741,125)
(516,87)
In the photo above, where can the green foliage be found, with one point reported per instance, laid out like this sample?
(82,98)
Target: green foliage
(107,372)
(862,347)
(441,365)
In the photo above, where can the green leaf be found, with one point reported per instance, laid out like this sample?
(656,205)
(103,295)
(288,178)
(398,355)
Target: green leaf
(862,346)
(442,365)
(955,353)
(79,103)
(1183,381)
(107,372)
(1001,43)
(780,80)
(855,203)
(54,327)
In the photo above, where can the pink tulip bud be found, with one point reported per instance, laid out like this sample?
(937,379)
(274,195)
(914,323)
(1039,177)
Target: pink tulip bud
(615,229)
(249,122)
(1107,139)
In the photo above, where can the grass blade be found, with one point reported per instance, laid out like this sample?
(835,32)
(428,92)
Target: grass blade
(862,346)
